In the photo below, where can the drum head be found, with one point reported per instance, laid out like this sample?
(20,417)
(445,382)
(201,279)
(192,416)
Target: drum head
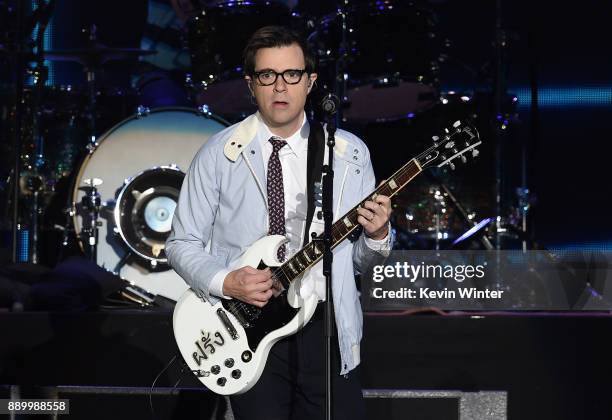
(131,152)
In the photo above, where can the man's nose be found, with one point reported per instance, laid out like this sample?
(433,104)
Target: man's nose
(280,85)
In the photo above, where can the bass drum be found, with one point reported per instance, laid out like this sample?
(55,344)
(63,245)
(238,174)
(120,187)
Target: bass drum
(141,162)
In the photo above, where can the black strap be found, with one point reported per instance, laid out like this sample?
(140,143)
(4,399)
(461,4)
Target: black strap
(314,170)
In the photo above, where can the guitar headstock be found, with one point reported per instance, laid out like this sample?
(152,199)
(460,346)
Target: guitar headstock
(452,143)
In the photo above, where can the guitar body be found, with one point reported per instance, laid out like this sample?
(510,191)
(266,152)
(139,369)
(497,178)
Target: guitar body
(226,345)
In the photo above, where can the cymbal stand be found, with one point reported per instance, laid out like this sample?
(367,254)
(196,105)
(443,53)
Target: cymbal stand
(18,72)
(34,180)
(91,70)
(91,202)
(30,182)
(501,43)
(341,75)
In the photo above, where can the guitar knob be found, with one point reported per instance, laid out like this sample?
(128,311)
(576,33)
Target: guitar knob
(452,166)
(215,370)
(236,374)
(221,381)
(229,363)
(475,152)
(246,356)
(463,158)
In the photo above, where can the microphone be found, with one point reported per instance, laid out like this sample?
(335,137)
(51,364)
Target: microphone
(330,104)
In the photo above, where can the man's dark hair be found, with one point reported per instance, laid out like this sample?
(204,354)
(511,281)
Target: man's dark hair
(272,37)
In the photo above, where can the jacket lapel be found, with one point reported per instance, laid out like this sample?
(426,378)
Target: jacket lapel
(241,143)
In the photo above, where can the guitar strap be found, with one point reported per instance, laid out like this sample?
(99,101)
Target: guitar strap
(314,170)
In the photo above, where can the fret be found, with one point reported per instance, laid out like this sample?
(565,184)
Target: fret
(291,265)
(300,262)
(306,255)
(309,253)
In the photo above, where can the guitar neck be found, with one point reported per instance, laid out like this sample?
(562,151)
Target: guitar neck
(344,226)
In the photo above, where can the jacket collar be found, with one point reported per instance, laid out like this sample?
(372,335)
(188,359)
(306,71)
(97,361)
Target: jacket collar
(246,132)
(242,136)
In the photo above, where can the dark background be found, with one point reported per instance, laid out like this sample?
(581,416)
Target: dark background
(562,49)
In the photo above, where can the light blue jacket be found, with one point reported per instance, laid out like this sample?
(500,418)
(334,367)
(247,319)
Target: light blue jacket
(222,210)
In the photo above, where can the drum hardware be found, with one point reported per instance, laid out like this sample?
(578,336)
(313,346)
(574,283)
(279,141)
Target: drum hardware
(90,203)
(29,155)
(67,228)
(204,110)
(473,230)
(144,210)
(142,111)
(32,183)
(524,204)
(137,295)
(467,217)
(139,160)
(124,259)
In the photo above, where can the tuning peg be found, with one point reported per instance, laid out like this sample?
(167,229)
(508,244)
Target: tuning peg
(452,166)
(456,124)
(475,152)
(463,158)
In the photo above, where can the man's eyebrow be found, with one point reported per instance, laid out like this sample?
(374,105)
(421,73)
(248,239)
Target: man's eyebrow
(264,70)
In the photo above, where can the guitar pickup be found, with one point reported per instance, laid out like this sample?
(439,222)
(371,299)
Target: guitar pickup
(227,324)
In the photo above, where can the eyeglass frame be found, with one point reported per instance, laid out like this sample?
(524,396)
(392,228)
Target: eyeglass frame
(276,74)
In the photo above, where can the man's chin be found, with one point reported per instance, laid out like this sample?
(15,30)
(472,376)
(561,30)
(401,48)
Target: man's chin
(280,119)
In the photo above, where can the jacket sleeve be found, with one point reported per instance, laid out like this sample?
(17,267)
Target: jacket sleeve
(193,222)
(366,251)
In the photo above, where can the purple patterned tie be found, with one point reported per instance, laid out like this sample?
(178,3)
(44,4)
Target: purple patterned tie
(276,193)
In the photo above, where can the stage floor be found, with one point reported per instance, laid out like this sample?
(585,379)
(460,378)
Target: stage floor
(552,365)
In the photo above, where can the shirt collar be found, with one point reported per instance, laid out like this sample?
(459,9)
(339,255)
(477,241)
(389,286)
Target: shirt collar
(297,142)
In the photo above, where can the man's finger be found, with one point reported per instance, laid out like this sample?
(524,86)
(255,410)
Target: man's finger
(365,213)
(371,205)
(383,199)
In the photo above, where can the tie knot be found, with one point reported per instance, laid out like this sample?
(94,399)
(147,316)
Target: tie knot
(277,143)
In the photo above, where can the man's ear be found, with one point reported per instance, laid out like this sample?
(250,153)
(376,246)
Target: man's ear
(249,84)
(312,81)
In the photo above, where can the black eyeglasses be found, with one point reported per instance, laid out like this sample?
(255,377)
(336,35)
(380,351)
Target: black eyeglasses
(269,77)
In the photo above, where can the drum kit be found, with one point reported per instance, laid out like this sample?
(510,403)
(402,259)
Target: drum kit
(115,192)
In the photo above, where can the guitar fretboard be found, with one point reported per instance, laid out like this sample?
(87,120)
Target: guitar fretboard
(342,228)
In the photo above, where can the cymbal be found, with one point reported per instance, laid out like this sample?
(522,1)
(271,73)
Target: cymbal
(98,54)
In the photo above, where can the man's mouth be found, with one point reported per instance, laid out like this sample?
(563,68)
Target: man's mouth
(280,104)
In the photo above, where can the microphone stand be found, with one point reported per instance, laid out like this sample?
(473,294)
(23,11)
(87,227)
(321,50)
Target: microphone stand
(328,217)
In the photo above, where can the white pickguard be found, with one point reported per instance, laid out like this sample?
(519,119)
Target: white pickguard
(197,321)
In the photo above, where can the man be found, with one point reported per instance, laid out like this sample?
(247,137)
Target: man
(249,181)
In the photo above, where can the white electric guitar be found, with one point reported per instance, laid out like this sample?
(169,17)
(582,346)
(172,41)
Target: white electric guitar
(226,345)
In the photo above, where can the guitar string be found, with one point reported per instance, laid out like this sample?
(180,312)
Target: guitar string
(383,189)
